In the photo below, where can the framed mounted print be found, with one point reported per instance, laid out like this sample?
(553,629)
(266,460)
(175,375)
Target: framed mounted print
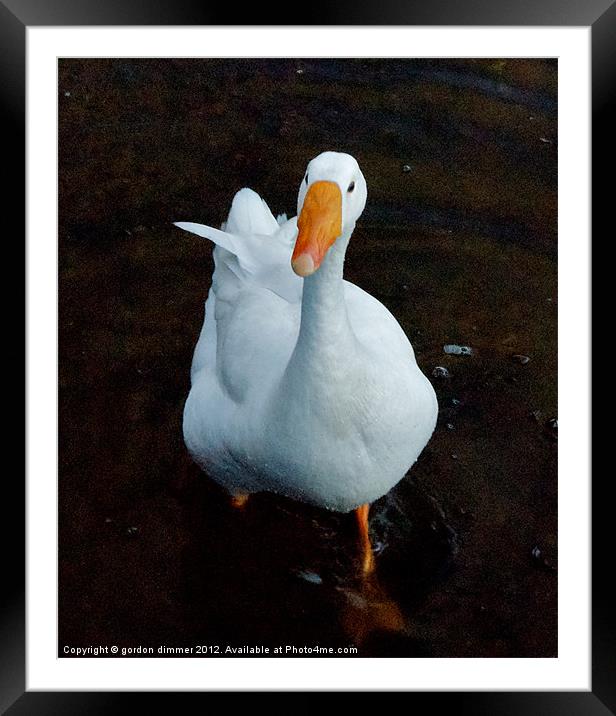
(303,411)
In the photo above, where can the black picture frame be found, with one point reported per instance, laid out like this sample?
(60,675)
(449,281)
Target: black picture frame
(15,17)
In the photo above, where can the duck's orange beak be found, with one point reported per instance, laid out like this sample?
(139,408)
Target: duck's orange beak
(319,225)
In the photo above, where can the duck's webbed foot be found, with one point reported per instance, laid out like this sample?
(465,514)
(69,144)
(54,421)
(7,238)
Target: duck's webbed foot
(367,557)
(239,500)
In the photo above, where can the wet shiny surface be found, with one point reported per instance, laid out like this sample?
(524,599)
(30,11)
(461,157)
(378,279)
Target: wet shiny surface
(458,240)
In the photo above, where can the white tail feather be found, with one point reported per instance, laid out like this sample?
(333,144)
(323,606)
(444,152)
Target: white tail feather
(252,248)
(249,214)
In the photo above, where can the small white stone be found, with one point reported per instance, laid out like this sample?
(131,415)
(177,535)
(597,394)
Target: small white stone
(308,576)
(454,350)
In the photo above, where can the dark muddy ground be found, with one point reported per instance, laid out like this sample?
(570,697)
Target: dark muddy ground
(458,240)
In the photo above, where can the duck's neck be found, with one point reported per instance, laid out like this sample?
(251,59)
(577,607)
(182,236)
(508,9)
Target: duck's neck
(325,334)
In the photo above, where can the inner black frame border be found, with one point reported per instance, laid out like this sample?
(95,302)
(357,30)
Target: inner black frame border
(15,17)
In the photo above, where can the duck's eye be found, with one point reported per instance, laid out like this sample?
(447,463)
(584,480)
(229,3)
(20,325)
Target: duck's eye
(306,179)
(351,187)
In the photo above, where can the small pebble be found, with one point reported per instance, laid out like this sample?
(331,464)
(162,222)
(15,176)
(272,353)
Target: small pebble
(299,71)
(132,531)
(535,553)
(67,94)
(545,140)
(108,520)
(536,414)
(454,350)
(541,561)
(441,372)
(450,426)
(378,546)
(521,359)
(406,168)
(311,577)
(455,401)
(455,457)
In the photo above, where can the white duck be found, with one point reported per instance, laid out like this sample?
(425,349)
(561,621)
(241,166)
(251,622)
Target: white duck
(303,384)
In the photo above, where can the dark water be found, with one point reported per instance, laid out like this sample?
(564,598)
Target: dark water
(460,245)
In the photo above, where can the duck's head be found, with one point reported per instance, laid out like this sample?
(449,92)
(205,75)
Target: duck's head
(331,198)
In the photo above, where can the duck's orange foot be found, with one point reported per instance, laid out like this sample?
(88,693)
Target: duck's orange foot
(367,557)
(367,563)
(239,501)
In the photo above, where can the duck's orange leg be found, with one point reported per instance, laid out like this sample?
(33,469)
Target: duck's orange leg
(239,501)
(367,558)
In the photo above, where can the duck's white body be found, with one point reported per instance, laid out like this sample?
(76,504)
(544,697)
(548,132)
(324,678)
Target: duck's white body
(306,387)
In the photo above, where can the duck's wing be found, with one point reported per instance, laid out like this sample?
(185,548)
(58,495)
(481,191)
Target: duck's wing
(253,305)
(374,326)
